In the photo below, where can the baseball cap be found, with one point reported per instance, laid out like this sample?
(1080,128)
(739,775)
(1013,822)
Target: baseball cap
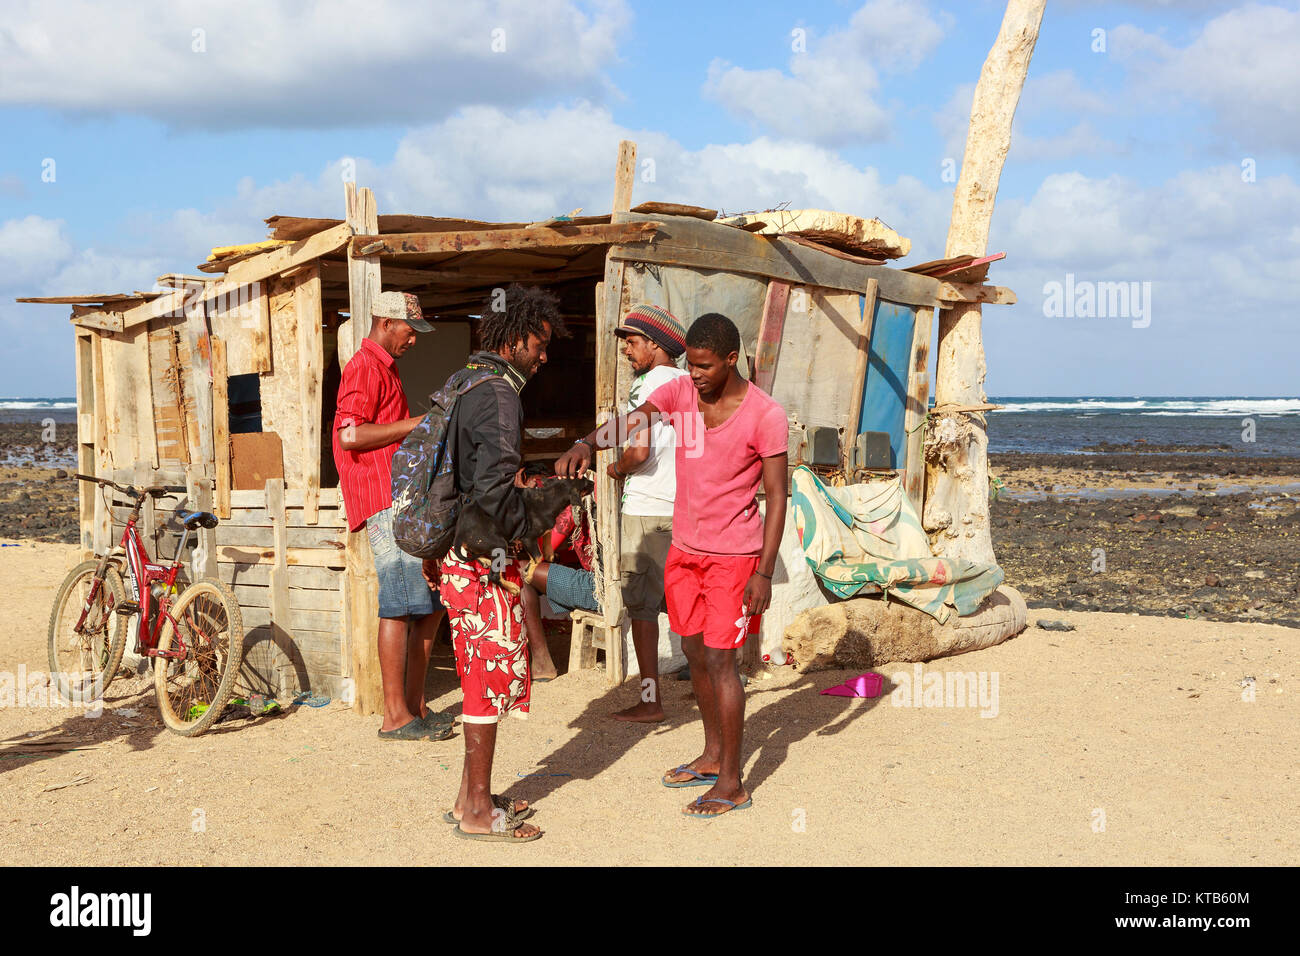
(401,305)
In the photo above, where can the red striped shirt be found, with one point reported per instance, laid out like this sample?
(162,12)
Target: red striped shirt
(370,392)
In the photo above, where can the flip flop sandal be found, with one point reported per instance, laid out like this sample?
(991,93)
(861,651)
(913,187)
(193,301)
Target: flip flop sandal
(709,816)
(701,779)
(501,803)
(505,835)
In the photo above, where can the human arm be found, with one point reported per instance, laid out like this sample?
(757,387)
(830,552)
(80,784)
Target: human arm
(366,436)
(355,410)
(758,590)
(634,455)
(578,458)
(489,424)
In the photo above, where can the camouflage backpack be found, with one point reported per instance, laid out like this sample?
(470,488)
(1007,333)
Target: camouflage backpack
(426,503)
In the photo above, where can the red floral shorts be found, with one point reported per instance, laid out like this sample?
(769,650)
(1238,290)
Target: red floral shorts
(487,632)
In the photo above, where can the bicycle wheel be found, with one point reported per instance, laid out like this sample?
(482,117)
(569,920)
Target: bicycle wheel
(83,663)
(194,689)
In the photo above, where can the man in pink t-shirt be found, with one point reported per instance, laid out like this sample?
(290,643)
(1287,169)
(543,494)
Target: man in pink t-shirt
(718,577)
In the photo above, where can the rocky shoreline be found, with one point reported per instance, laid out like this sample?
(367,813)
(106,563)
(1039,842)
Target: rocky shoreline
(1162,531)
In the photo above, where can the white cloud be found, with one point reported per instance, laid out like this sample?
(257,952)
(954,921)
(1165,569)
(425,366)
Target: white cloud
(31,248)
(1242,65)
(1048,100)
(829,96)
(285,64)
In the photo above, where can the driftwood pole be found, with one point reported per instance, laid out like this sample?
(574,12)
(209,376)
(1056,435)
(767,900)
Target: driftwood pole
(956,446)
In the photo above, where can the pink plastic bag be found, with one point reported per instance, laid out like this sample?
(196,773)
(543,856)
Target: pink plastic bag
(864,685)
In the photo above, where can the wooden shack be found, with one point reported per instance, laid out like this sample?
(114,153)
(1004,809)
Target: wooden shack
(225,383)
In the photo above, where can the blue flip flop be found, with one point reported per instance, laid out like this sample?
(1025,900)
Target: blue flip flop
(709,816)
(701,779)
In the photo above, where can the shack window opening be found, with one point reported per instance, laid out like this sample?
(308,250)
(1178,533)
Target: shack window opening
(245,393)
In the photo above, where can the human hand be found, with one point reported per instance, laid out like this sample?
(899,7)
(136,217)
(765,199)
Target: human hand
(429,567)
(758,594)
(574,462)
(613,472)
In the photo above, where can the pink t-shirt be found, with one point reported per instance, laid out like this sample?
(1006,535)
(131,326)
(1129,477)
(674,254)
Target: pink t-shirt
(719,470)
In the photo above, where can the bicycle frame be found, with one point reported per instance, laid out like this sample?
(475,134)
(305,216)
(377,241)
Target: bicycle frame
(143,574)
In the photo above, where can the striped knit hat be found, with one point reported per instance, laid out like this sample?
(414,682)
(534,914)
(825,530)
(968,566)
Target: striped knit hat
(658,325)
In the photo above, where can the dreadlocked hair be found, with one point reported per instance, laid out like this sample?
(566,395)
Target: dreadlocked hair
(508,320)
(714,332)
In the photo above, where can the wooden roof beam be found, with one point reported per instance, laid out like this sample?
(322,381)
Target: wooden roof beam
(479,240)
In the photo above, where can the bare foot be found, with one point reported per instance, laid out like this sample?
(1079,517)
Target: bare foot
(710,803)
(498,801)
(642,713)
(701,765)
(520,832)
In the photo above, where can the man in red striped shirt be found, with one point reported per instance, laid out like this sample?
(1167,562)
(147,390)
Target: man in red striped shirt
(372,420)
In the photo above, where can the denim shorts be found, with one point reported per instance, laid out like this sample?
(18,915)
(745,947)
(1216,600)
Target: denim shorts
(403,592)
(569,589)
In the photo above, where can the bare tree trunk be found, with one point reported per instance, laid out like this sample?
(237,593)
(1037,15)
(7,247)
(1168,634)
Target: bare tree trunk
(956,446)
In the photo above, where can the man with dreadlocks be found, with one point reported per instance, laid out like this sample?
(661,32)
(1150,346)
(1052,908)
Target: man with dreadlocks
(485,433)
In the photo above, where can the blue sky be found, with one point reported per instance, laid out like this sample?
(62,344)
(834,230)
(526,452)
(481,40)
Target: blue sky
(1126,163)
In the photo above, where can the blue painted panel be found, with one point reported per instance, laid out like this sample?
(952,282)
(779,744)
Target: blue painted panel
(884,395)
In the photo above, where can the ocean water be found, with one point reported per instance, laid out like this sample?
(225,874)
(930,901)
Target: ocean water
(1075,425)
(1064,425)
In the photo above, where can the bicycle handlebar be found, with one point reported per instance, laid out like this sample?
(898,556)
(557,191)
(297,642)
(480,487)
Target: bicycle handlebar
(130,490)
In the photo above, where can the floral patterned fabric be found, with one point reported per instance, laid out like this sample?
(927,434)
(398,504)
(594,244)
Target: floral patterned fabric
(866,538)
(488,636)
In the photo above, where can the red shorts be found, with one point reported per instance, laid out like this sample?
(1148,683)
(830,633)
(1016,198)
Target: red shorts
(704,593)
(487,632)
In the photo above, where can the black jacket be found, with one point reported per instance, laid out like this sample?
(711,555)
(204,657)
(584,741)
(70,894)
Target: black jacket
(488,426)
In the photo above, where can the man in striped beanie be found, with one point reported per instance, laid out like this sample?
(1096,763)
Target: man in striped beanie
(653,340)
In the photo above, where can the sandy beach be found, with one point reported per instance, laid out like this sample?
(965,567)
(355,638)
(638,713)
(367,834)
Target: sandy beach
(1128,740)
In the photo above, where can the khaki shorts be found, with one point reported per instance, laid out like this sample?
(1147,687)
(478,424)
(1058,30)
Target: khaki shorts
(642,554)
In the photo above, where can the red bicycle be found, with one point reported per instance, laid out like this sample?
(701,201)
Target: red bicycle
(196,639)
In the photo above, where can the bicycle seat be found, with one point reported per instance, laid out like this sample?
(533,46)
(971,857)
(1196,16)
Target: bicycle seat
(197,519)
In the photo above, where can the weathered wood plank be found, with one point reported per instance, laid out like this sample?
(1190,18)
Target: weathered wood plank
(280,387)
(102,529)
(221,427)
(262,537)
(710,245)
(860,372)
(304,620)
(243,322)
(482,240)
(199,491)
(293,498)
(86,441)
(311,356)
(299,599)
(363,633)
(301,578)
(974,292)
(328,519)
(281,619)
(918,404)
(284,258)
(198,381)
(107,320)
(302,557)
(770,329)
(169,412)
